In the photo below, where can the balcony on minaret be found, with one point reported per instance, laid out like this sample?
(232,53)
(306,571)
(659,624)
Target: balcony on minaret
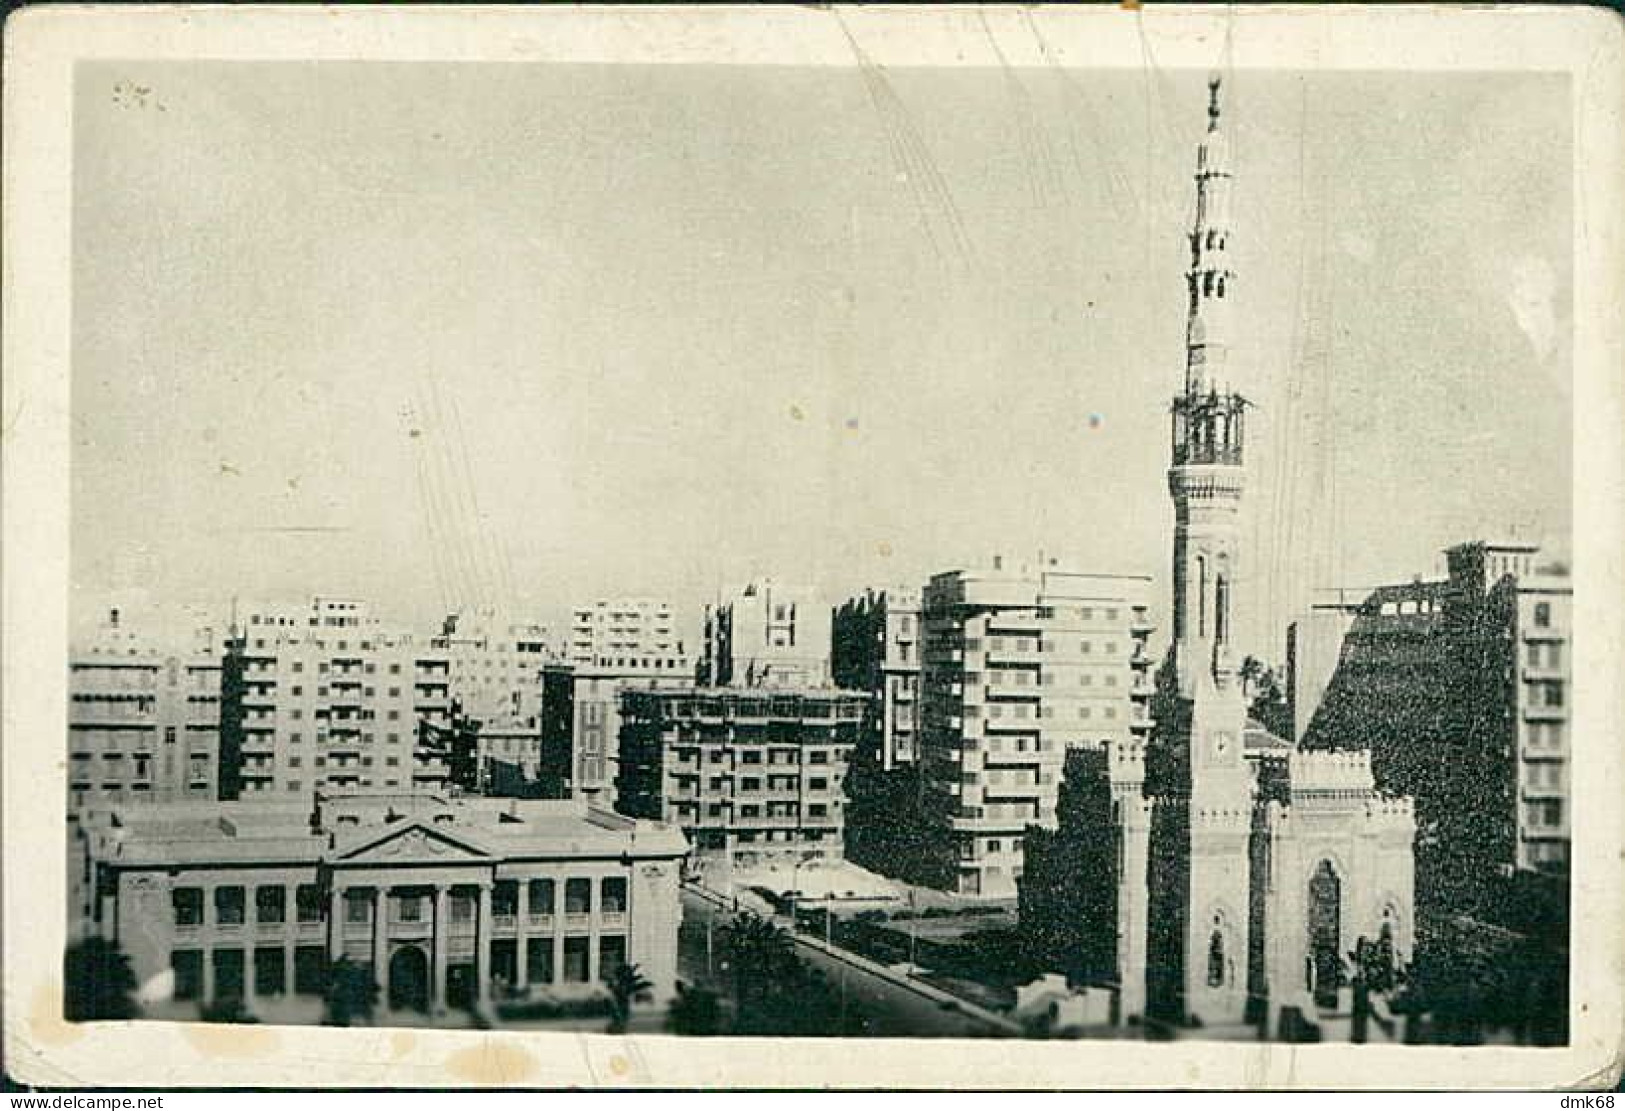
(1209,429)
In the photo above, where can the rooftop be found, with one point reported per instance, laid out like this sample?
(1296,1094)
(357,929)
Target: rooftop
(339,827)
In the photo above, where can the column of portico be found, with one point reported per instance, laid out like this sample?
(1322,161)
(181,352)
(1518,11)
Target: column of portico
(380,942)
(442,922)
(207,927)
(290,935)
(521,975)
(335,923)
(595,917)
(482,946)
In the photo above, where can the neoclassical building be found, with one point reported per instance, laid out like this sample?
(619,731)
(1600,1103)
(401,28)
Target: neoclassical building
(1242,871)
(447,902)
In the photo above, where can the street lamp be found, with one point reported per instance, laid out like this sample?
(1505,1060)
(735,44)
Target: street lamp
(795,893)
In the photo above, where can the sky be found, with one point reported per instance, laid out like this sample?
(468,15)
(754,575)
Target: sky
(439,334)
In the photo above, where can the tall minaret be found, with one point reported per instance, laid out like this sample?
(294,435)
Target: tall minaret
(1206,482)
(1206,478)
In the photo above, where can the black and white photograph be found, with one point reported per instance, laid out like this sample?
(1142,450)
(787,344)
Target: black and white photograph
(1029,546)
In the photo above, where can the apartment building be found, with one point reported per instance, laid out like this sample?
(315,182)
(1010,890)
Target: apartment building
(446,902)
(754,773)
(143,716)
(615,645)
(1017,666)
(1461,686)
(325,697)
(496,664)
(496,689)
(634,635)
(768,634)
(1513,613)
(875,647)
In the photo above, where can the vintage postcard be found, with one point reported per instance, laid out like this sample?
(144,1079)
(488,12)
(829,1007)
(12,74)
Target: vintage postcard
(542,543)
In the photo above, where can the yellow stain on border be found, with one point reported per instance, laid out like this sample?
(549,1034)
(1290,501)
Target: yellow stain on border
(230,1040)
(45,1022)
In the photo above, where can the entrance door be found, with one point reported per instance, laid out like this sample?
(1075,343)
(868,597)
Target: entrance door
(1325,950)
(409,980)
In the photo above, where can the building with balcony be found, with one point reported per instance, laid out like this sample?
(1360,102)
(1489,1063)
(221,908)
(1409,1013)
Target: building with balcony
(446,903)
(143,717)
(628,635)
(767,635)
(1461,686)
(614,645)
(327,698)
(875,647)
(496,689)
(751,773)
(1018,665)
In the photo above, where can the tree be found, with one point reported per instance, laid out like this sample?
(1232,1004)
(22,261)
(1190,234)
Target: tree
(627,985)
(695,1011)
(352,993)
(775,992)
(758,954)
(1268,705)
(97,982)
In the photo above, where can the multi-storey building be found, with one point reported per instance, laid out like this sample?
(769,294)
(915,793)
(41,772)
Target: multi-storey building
(875,647)
(1512,614)
(627,642)
(143,717)
(445,902)
(767,635)
(1460,686)
(496,690)
(581,722)
(755,773)
(634,635)
(328,698)
(496,664)
(1017,666)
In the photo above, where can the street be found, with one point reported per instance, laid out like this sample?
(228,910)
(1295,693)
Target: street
(890,1010)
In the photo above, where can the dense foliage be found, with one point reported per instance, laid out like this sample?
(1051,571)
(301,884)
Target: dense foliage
(97,982)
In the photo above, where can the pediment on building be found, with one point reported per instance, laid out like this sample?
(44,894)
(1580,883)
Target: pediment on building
(413,842)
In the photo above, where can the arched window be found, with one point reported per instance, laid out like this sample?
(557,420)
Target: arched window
(1221,610)
(1215,960)
(1201,596)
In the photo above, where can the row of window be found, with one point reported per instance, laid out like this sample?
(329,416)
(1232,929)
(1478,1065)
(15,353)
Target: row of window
(753,810)
(270,902)
(1545,692)
(1544,774)
(1543,813)
(1545,654)
(1544,734)
(1027,644)
(780,757)
(310,966)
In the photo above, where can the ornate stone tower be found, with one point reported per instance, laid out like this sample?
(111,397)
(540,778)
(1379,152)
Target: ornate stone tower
(1206,481)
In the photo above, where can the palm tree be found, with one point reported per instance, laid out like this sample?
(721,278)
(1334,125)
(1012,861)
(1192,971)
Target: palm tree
(97,981)
(762,960)
(627,984)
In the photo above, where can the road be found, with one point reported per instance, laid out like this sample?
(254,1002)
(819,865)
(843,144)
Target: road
(890,1010)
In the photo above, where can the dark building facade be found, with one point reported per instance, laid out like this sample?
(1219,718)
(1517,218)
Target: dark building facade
(752,773)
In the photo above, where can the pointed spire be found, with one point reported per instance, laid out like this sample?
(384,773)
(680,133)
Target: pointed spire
(1213,83)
